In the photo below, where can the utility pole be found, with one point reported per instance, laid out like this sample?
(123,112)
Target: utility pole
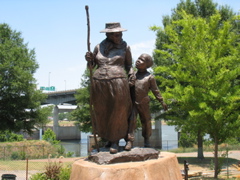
(49,79)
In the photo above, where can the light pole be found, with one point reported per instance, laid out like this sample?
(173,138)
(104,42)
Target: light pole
(49,79)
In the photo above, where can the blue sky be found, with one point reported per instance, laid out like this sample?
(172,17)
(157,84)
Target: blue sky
(57,30)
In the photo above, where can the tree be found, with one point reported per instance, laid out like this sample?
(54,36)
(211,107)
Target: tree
(61,116)
(65,116)
(198,8)
(19,98)
(203,84)
(82,113)
(42,115)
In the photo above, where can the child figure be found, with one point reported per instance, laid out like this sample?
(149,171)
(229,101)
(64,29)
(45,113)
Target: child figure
(144,82)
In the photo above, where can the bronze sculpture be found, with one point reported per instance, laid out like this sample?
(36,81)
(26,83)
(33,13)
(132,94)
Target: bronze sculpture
(144,82)
(110,88)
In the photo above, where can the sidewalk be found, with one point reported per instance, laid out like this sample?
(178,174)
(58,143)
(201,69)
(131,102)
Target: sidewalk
(231,154)
(206,172)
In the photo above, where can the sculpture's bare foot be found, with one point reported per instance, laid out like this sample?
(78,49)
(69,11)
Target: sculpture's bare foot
(113,148)
(146,142)
(128,146)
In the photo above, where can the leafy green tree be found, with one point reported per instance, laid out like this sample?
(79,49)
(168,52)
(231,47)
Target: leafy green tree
(42,115)
(82,113)
(61,116)
(202,85)
(69,117)
(65,115)
(19,98)
(198,8)
(187,141)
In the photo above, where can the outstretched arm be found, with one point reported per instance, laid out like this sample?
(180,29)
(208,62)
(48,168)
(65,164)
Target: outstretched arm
(156,92)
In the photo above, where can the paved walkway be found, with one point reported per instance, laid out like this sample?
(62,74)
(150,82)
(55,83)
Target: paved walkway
(231,154)
(206,172)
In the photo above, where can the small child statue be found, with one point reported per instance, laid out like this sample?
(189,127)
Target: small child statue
(144,82)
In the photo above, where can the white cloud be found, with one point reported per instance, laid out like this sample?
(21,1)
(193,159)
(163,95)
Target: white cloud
(142,47)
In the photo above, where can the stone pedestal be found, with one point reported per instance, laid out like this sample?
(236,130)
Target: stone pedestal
(164,168)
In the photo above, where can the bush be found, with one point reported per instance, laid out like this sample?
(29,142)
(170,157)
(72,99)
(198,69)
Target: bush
(54,171)
(7,136)
(61,150)
(22,155)
(32,149)
(69,154)
(18,155)
(50,136)
(38,176)
(65,173)
(15,155)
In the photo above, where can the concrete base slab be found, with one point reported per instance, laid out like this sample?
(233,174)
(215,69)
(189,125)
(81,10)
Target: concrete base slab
(164,168)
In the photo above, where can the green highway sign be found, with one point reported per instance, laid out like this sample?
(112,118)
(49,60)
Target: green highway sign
(52,88)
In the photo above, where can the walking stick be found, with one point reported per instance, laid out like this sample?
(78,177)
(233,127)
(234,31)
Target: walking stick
(91,81)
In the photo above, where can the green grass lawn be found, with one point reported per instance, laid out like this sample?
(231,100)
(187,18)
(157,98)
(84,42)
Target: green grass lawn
(22,165)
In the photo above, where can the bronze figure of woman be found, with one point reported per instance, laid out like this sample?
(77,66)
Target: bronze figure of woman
(110,89)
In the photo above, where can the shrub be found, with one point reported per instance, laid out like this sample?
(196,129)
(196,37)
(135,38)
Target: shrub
(53,170)
(61,150)
(33,149)
(69,154)
(38,176)
(6,136)
(18,155)
(22,155)
(65,173)
(50,136)
(15,155)
(51,173)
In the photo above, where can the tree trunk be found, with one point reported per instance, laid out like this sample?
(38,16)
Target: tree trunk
(200,145)
(216,158)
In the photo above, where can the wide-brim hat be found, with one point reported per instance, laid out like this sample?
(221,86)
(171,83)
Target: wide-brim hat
(113,27)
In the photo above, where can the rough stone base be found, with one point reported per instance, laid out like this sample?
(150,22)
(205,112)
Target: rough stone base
(164,168)
(136,154)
